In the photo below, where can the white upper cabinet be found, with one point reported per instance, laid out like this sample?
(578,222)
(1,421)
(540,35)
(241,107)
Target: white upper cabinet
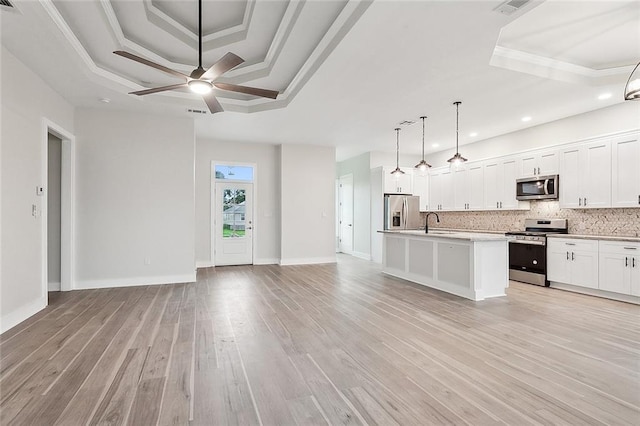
(468,187)
(625,177)
(398,184)
(500,185)
(460,187)
(539,163)
(585,175)
(475,197)
(421,188)
(441,190)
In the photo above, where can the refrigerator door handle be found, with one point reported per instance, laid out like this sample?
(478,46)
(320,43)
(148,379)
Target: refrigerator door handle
(405,212)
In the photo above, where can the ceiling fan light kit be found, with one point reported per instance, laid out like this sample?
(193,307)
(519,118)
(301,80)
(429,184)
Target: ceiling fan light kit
(632,88)
(201,81)
(200,86)
(457,159)
(398,171)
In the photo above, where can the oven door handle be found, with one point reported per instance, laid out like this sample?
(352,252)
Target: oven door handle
(533,243)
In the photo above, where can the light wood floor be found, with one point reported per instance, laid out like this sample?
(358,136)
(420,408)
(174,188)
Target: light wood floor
(336,344)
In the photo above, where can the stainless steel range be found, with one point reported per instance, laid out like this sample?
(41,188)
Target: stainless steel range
(528,251)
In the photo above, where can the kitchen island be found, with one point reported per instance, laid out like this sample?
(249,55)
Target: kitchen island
(467,264)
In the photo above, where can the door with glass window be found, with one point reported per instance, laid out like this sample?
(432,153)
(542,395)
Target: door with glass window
(233,223)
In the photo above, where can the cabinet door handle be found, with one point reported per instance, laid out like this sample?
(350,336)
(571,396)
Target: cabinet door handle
(500,204)
(633,262)
(630,248)
(534,170)
(497,205)
(585,202)
(573,256)
(579,201)
(567,255)
(570,244)
(626,261)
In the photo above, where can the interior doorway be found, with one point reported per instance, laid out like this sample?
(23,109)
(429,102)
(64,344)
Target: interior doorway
(345,214)
(57,207)
(54,208)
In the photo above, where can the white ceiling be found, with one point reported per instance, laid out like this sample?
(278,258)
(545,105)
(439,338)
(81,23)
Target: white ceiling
(348,71)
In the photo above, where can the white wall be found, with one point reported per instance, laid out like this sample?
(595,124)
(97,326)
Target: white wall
(308,204)
(135,199)
(54,170)
(266,196)
(616,118)
(359,167)
(26,101)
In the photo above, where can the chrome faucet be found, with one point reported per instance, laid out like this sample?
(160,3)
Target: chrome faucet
(426,221)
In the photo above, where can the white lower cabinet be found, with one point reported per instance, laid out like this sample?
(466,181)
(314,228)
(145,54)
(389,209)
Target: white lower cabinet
(619,265)
(573,261)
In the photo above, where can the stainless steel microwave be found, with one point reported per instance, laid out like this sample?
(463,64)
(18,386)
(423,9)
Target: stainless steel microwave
(537,188)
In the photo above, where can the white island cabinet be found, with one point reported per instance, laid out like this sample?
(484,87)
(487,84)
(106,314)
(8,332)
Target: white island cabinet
(470,265)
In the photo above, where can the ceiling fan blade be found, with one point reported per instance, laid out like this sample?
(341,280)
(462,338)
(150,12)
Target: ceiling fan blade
(227,62)
(158,89)
(248,90)
(149,63)
(212,103)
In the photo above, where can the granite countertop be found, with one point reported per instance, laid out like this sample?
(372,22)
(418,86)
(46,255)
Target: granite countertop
(596,237)
(455,235)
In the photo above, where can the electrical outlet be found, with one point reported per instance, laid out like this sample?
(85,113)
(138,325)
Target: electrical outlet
(39,191)
(147,261)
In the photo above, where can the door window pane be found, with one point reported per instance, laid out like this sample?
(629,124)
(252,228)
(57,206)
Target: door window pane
(233,210)
(244,173)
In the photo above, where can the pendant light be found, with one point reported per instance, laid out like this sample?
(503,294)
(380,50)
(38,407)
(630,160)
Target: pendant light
(632,89)
(423,165)
(457,159)
(398,171)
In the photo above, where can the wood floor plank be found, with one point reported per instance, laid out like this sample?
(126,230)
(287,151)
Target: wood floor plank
(83,405)
(146,404)
(321,344)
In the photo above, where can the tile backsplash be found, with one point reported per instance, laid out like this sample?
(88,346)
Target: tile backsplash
(614,222)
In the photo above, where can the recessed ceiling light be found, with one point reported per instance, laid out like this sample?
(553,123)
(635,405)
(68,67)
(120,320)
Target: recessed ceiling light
(526,118)
(473,134)
(604,96)
(435,145)
(105,100)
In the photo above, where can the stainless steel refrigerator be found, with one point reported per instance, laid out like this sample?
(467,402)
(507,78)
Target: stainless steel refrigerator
(402,212)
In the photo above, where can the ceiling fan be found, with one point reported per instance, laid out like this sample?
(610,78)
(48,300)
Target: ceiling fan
(202,81)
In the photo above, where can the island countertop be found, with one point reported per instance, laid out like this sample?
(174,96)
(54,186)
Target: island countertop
(456,235)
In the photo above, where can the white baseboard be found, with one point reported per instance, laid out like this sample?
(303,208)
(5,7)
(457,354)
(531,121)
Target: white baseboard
(204,264)
(360,255)
(135,281)
(51,286)
(266,261)
(596,292)
(307,260)
(15,317)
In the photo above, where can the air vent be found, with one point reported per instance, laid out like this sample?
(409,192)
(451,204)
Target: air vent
(196,111)
(406,123)
(6,3)
(510,6)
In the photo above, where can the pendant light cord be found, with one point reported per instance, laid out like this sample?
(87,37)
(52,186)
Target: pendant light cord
(199,33)
(423,137)
(397,148)
(457,120)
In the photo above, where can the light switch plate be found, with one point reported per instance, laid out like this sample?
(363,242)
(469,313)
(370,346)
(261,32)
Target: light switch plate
(39,191)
